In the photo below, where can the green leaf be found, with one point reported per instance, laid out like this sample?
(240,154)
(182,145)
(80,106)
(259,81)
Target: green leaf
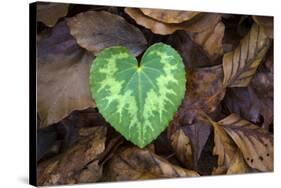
(139,101)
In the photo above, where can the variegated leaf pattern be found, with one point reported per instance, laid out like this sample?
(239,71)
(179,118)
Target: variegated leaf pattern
(255,143)
(138,100)
(241,64)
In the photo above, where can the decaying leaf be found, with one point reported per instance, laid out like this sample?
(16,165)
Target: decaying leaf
(230,160)
(50,13)
(211,40)
(80,163)
(255,143)
(169,16)
(241,64)
(62,88)
(199,23)
(57,45)
(267,23)
(182,146)
(96,30)
(138,164)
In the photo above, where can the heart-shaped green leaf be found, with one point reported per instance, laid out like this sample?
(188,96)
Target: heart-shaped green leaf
(139,101)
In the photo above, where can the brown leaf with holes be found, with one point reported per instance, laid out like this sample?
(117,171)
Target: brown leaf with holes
(78,164)
(267,23)
(96,30)
(62,88)
(240,65)
(230,160)
(50,13)
(139,164)
(169,16)
(255,143)
(211,40)
(199,23)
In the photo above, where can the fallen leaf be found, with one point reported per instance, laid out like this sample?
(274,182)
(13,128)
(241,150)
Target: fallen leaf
(96,30)
(62,88)
(230,160)
(50,13)
(78,164)
(199,23)
(169,16)
(193,55)
(182,146)
(211,40)
(240,65)
(255,143)
(266,22)
(139,164)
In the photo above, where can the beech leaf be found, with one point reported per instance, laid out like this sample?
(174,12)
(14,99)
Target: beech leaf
(96,30)
(240,65)
(139,101)
(255,143)
(267,23)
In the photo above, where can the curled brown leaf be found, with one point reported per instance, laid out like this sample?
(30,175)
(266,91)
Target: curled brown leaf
(267,23)
(199,23)
(211,40)
(169,16)
(240,65)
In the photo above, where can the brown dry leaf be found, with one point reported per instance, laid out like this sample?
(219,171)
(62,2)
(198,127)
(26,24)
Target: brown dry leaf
(96,30)
(169,16)
(139,164)
(255,143)
(211,40)
(57,45)
(62,88)
(230,160)
(204,93)
(240,65)
(50,13)
(182,146)
(267,23)
(199,23)
(189,140)
(78,164)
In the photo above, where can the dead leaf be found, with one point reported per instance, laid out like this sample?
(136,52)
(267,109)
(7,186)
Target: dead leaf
(58,45)
(255,143)
(62,88)
(182,146)
(240,65)
(139,164)
(96,30)
(230,160)
(50,13)
(193,55)
(78,164)
(211,40)
(267,23)
(199,23)
(169,16)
